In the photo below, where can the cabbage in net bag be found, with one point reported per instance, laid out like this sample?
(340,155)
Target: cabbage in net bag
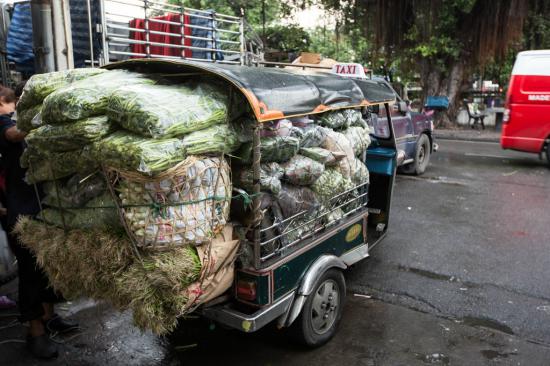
(215,139)
(301,170)
(39,86)
(25,118)
(273,149)
(126,151)
(167,110)
(270,177)
(187,205)
(72,136)
(87,98)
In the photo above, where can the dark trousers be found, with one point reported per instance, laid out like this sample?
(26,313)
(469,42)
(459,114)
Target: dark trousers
(34,288)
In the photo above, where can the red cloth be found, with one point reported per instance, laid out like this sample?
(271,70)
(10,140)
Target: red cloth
(156,50)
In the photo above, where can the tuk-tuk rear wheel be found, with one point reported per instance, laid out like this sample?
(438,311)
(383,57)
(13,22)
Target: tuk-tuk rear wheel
(322,311)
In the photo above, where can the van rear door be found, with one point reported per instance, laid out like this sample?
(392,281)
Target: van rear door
(527,116)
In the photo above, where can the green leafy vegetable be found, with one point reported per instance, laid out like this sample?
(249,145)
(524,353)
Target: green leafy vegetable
(215,139)
(26,117)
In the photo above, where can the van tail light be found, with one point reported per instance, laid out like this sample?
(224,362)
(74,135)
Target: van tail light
(246,290)
(506,116)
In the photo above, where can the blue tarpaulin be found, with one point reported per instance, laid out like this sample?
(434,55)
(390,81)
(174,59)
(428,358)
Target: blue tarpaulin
(19,41)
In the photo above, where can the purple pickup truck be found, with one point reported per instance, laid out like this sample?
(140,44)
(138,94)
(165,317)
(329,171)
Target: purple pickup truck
(413,134)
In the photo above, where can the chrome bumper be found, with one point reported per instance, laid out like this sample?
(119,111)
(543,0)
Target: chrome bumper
(248,323)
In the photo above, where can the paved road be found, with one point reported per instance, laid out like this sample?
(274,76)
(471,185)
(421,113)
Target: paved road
(462,279)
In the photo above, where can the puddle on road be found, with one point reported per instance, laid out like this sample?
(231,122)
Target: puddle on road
(428,274)
(487,323)
(493,355)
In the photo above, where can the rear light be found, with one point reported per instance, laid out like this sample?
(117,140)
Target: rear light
(506,116)
(246,290)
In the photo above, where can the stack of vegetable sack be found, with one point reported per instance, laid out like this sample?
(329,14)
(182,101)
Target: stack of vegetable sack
(136,189)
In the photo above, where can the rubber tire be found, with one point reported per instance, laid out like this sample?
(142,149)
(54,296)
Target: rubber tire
(548,154)
(302,329)
(418,167)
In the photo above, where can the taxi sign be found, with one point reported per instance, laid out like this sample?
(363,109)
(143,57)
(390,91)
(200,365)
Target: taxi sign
(349,70)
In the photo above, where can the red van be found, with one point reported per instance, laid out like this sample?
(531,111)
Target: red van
(526,122)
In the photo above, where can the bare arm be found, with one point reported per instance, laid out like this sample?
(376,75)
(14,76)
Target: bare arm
(12,134)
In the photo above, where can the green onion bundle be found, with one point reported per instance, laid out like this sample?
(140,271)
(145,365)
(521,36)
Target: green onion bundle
(167,110)
(26,118)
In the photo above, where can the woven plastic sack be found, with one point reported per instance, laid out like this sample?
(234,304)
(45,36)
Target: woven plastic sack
(340,119)
(26,117)
(167,110)
(359,139)
(323,156)
(360,172)
(216,139)
(270,177)
(338,143)
(188,204)
(87,98)
(56,165)
(301,170)
(73,192)
(126,151)
(331,184)
(39,86)
(273,149)
(69,137)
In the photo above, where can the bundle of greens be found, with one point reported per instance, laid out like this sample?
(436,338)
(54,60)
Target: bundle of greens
(341,119)
(99,212)
(215,139)
(87,98)
(359,139)
(302,171)
(331,184)
(73,192)
(323,156)
(273,149)
(270,177)
(39,86)
(167,110)
(69,137)
(126,151)
(56,165)
(26,118)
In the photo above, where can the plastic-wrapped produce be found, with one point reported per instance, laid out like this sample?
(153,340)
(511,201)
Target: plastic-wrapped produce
(329,185)
(292,200)
(309,136)
(215,139)
(26,117)
(69,137)
(270,177)
(126,151)
(39,86)
(87,98)
(338,143)
(56,165)
(323,156)
(244,127)
(167,110)
(340,119)
(188,205)
(73,192)
(280,127)
(301,170)
(273,149)
(360,172)
(359,138)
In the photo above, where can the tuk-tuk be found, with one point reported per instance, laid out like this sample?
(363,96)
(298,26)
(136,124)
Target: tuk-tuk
(299,283)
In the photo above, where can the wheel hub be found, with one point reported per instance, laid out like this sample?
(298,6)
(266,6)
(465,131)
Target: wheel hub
(325,306)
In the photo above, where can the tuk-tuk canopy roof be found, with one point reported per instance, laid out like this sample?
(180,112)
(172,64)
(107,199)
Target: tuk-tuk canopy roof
(278,93)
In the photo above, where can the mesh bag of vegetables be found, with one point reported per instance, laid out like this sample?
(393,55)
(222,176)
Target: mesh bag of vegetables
(56,165)
(273,149)
(270,177)
(188,204)
(73,192)
(26,117)
(330,185)
(323,156)
(39,86)
(293,200)
(359,139)
(87,98)
(126,151)
(167,110)
(360,172)
(341,119)
(301,170)
(215,139)
(309,136)
(99,212)
(69,137)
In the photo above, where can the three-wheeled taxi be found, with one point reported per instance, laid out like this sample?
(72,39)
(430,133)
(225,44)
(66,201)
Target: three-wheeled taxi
(294,276)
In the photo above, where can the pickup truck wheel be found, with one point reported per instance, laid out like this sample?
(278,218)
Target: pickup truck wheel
(548,154)
(421,157)
(322,310)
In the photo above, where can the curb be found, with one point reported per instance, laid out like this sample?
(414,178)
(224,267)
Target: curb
(470,139)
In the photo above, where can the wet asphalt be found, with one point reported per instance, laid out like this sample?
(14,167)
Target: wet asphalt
(461,279)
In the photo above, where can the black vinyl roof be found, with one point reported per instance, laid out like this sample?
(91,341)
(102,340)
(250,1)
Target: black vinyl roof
(275,93)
